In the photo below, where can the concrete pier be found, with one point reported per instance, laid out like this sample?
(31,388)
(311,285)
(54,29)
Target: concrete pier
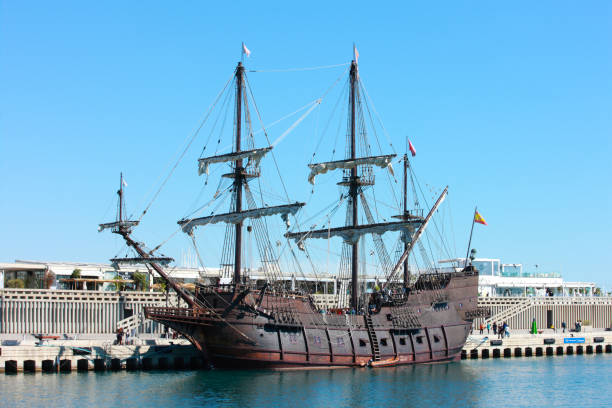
(529,345)
(95,355)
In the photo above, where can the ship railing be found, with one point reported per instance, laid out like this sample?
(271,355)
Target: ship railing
(177,312)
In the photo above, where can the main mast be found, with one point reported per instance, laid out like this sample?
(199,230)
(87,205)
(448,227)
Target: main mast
(353,193)
(238,175)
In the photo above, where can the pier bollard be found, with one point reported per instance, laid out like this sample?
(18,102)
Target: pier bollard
(496,353)
(162,363)
(463,355)
(82,365)
(10,366)
(528,352)
(484,353)
(608,348)
(507,353)
(29,366)
(598,349)
(99,364)
(195,363)
(539,351)
(48,366)
(550,351)
(579,350)
(560,350)
(589,349)
(569,350)
(115,364)
(131,364)
(147,363)
(518,352)
(65,366)
(179,363)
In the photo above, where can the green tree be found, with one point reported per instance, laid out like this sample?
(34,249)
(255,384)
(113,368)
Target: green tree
(15,283)
(141,281)
(159,285)
(76,274)
(118,283)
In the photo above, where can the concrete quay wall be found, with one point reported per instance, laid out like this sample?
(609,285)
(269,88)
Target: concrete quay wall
(545,344)
(70,356)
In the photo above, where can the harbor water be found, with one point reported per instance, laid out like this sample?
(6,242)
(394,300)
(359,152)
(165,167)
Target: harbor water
(562,382)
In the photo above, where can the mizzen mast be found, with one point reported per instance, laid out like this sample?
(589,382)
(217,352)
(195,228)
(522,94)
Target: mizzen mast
(406,267)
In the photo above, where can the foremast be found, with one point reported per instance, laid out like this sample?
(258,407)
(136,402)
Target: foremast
(354,187)
(245,165)
(238,175)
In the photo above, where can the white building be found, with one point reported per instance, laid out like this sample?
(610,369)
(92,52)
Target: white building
(496,278)
(499,279)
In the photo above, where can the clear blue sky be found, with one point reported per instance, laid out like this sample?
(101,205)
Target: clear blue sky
(510,104)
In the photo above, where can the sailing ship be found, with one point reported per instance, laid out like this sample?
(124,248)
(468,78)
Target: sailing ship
(234,322)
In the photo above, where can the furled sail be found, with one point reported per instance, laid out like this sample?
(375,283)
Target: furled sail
(117,224)
(187,225)
(254,156)
(322,168)
(353,234)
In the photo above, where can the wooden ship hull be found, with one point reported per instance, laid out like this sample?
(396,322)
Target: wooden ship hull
(430,326)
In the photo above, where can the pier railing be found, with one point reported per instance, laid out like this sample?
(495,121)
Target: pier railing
(74,311)
(83,311)
(519,312)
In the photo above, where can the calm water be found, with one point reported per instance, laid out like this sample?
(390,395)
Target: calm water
(567,381)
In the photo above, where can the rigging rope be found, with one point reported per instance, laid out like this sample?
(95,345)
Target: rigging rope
(185,150)
(301,69)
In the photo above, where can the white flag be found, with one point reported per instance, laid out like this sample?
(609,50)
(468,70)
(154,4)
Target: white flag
(123,182)
(246,50)
(355,54)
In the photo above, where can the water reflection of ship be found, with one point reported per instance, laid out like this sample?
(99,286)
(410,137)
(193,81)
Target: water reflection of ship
(405,320)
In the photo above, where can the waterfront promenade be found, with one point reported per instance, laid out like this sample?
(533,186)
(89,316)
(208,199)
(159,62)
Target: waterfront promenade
(547,342)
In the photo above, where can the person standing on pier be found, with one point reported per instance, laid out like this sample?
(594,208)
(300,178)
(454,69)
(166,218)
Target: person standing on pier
(488,328)
(494,328)
(563,326)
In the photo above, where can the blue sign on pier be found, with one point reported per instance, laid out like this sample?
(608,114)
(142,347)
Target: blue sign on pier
(573,340)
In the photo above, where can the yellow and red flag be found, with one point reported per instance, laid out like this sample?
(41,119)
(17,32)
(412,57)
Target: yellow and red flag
(478,218)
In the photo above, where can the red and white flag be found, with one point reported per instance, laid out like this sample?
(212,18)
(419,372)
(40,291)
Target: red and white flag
(355,54)
(246,50)
(412,149)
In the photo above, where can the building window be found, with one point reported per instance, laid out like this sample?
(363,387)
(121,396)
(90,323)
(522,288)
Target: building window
(383,342)
(419,339)
(362,343)
(402,341)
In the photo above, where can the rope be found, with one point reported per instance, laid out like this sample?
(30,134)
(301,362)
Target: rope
(186,149)
(301,69)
